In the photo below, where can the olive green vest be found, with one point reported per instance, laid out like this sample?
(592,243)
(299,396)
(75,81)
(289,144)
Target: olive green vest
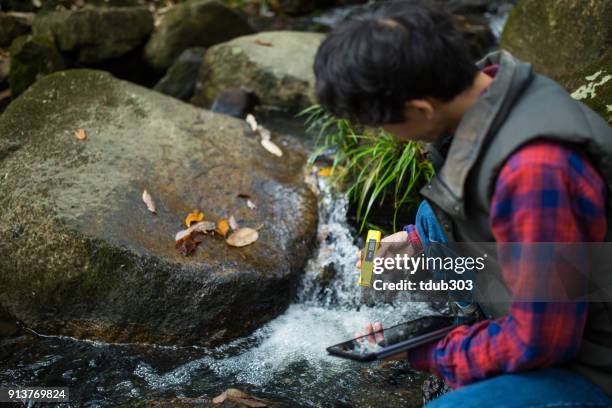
(521,106)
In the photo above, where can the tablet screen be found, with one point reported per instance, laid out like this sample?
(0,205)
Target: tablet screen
(369,344)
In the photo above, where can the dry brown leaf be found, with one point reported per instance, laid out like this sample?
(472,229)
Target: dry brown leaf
(265,43)
(80,134)
(233,223)
(242,237)
(148,200)
(271,147)
(250,119)
(202,226)
(194,216)
(251,204)
(324,172)
(222,227)
(235,395)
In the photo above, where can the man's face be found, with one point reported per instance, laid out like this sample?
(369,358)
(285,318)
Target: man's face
(423,122)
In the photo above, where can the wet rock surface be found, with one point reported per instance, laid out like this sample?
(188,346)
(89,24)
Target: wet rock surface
(81,255)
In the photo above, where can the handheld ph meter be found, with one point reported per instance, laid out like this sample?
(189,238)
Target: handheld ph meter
(367,261)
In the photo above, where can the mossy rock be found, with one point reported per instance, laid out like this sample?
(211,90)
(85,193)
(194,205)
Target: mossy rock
(568,41)
(31,59)
(81,255)
(276,65)
(194,23)
(180,80)
(95,35)
(12,25)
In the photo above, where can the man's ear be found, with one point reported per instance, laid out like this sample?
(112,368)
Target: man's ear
(419,107)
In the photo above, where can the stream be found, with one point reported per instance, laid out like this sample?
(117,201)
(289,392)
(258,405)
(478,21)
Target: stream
(284,361)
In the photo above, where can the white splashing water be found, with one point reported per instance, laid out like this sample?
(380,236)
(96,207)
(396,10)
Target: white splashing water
(324,314)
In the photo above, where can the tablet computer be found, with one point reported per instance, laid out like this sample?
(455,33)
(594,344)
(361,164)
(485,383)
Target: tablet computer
(396,339)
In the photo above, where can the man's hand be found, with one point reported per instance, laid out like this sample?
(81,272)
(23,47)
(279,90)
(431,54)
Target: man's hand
(376,336)
(394,243)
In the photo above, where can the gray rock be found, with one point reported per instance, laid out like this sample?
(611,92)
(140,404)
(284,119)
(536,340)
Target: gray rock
(180,80)
(81,255)
(194,23)
(95,34)
(31,59)
(234,102)
(276,65)
(12,25)
(568,42)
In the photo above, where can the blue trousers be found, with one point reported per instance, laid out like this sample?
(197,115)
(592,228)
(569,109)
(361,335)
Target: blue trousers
(544,388)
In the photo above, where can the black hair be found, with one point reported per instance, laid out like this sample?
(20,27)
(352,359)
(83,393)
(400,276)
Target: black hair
(369,66)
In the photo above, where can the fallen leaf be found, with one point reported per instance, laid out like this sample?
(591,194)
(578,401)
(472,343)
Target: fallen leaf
(235,395)
(186,246)
(222,227)
(243,237)
(194,216)
(264,133)
(148,200)
(265,43)
(243,195)
(80,134)
(324,172)
(250,119)
(251,205)
(232,223)
(271,147)
(202,226)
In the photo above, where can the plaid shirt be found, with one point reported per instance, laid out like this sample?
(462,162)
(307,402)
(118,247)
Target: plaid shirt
(546,192)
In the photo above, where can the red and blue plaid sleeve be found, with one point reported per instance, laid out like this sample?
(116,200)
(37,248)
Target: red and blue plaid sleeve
(546,192)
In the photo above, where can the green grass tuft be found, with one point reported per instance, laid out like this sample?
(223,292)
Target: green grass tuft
(370,164)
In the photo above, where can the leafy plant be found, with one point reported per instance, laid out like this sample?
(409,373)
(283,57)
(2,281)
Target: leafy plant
(371,164)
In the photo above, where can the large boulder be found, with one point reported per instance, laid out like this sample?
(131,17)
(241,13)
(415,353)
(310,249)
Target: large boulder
(81,255)
(569,42)
(276,65)
(94,35)
(194,23)
(31,59)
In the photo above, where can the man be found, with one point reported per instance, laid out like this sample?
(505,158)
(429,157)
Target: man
(517,160)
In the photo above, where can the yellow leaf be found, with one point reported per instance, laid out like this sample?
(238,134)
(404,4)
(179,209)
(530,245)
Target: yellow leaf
(195,216)
(222,227)
(324,172)
(242,237)
(80,134)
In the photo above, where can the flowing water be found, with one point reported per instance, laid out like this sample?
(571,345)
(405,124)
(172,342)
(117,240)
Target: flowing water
(285,361)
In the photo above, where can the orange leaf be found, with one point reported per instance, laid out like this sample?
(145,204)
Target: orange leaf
(80,134)
(324,172)
(195,216)
(222,227)
(265,43)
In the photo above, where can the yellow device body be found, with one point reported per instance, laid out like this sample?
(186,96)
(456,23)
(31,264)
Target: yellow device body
(367,257)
